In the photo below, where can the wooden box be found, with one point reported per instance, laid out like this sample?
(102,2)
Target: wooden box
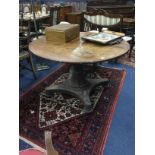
(62,33)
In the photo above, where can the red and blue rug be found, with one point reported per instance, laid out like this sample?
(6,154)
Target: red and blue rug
(84,135)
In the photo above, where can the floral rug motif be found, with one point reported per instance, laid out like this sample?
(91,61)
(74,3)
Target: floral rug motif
(84,135)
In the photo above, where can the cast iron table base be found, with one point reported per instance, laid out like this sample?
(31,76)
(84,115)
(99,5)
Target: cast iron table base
(78,85)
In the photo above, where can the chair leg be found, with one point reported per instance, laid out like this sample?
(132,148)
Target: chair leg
(130,51)
(131,47)
(32,66)
(49,145)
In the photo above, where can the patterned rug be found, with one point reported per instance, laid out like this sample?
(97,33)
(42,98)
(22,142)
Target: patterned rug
(83,135)
(59,107)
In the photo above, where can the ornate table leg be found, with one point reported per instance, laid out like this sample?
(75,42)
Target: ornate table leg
(78,85)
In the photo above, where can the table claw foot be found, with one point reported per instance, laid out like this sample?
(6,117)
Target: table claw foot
(88,107)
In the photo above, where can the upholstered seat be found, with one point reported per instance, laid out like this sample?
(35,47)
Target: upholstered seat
(100,19)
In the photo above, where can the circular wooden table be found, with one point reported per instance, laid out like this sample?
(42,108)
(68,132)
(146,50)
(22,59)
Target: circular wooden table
(78,54)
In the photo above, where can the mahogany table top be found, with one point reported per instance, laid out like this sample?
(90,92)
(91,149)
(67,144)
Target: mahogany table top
(72,52)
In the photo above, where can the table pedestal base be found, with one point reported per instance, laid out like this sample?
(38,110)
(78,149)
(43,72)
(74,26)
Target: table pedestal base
(78,85)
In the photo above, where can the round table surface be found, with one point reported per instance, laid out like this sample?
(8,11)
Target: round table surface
(72,52)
